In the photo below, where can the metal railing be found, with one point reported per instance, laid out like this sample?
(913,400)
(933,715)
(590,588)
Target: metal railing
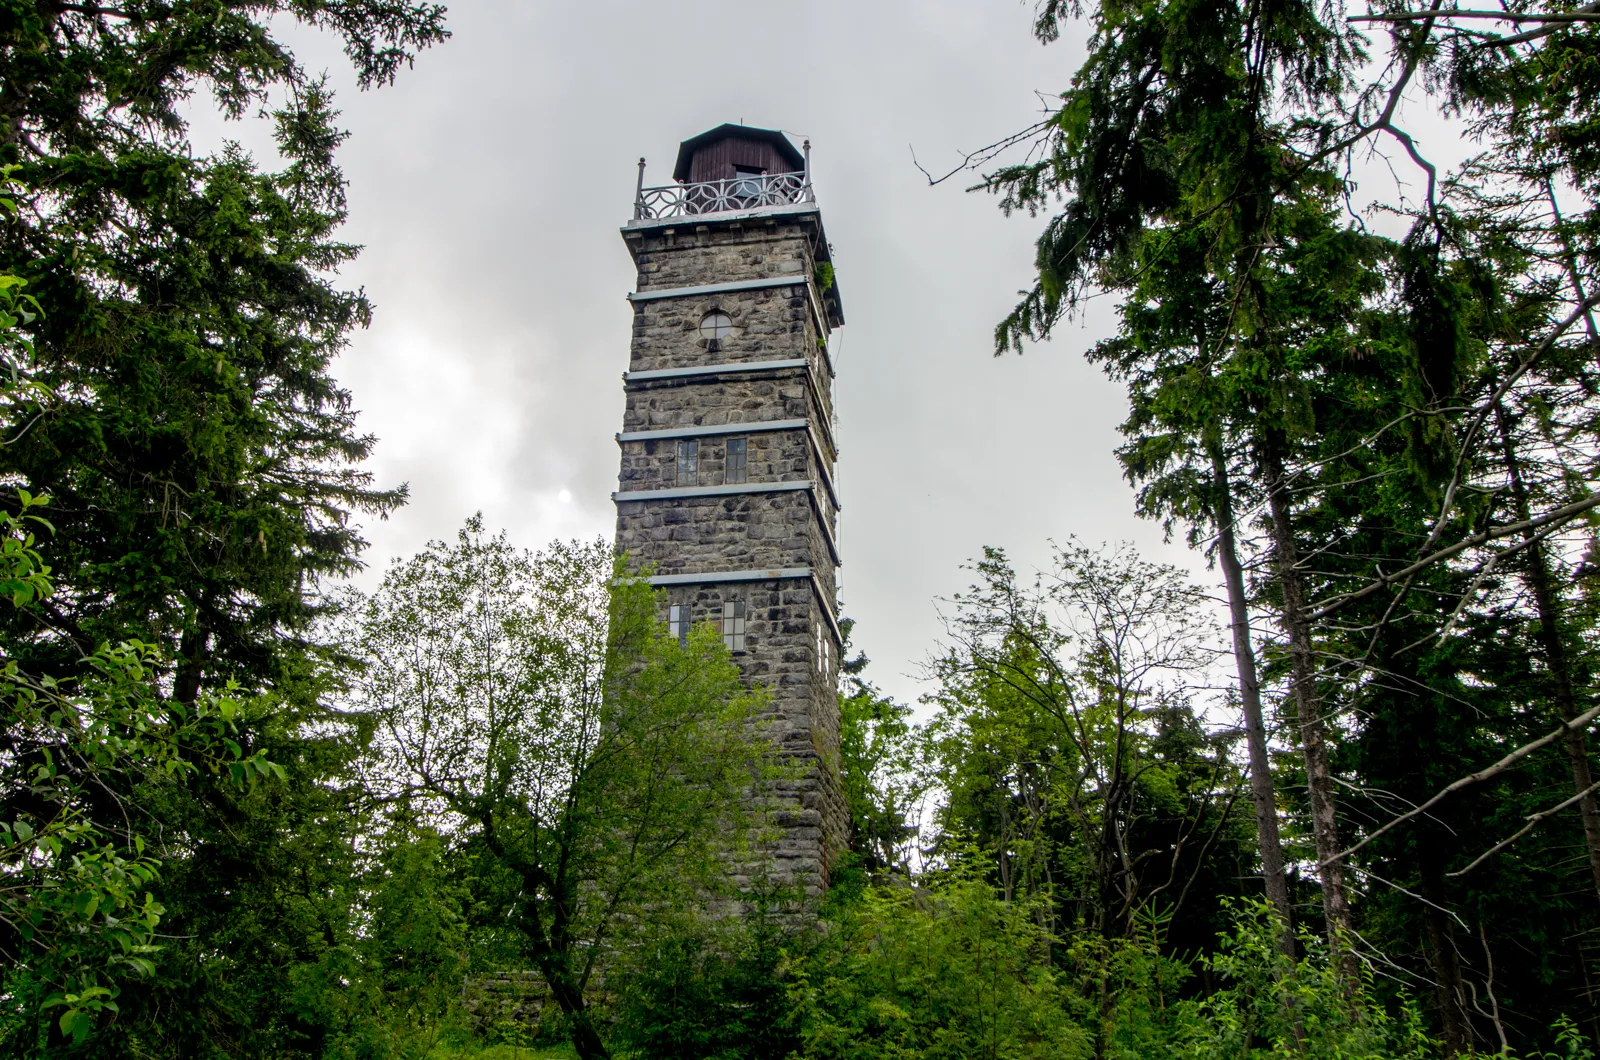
(743,192)
(722,196)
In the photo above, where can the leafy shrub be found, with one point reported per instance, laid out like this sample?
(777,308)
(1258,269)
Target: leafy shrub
(943,972)
(712,990)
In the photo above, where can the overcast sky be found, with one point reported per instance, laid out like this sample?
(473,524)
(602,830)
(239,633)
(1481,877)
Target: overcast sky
(488,185)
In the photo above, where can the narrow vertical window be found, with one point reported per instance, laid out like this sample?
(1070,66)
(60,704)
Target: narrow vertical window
(737,451)
(688,462)
(733,625)
(678,622)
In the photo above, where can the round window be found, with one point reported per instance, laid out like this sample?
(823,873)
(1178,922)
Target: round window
(715,325)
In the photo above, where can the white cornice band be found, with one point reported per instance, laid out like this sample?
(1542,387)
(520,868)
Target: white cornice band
(717,288)
(711,577)
(680,492)
(757,213)
(712,369)
(754,427)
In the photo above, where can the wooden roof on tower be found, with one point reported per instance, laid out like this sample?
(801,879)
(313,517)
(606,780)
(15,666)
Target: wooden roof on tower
(771,147)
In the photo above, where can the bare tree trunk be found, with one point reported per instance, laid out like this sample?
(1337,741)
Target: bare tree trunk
(1552,643)
(1255,729)
(1448,988)
(1308,708)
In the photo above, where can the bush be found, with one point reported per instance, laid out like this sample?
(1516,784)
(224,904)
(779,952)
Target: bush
(711,990)
(939,972)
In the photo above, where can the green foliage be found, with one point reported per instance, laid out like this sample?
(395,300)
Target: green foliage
(880,767)
(76,878)
(168,387)
(1067,736)
(201,458)
(710,989)
(222,836)
(598,771)
(1272,1005)
(949,971)
(1318,405)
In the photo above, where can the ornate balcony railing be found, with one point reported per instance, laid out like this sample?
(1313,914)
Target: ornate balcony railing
(721,196)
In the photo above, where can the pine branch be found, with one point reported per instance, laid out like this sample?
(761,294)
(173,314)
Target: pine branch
(1487,773)
(1383,581)
(1533,820)
(1583,14)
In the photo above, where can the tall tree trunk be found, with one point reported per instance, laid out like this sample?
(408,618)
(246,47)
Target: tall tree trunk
(1255,729)
(1307,704)
(193,651)
(1449,991)
(1553,643)
(586,1040)
(551,947)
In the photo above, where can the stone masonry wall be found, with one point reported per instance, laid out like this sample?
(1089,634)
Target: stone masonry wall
(745,250)
(711,401)
(770,456)
(747,531)
(771,323)
(734,397)
(742,531)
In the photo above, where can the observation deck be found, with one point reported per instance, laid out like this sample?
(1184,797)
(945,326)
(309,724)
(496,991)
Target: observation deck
(739,194)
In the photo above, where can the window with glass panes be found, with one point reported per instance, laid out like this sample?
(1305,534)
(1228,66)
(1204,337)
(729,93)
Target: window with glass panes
(738,450)
(715,325)
(688,462)
(733,625)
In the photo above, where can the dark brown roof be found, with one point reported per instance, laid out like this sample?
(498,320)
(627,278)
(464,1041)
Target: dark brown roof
(687,149)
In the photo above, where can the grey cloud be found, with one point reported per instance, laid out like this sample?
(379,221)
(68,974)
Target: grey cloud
(488,185)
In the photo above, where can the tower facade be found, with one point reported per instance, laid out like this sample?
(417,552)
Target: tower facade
(726,488)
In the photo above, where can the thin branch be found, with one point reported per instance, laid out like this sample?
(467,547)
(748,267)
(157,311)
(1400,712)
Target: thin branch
(1533,821)
(983,155)
(1581,15)
(1383,581)
(1499,394)
(1535,34)
(1475,778)
(1409,894)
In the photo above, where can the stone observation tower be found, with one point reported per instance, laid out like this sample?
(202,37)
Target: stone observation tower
(728,449)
